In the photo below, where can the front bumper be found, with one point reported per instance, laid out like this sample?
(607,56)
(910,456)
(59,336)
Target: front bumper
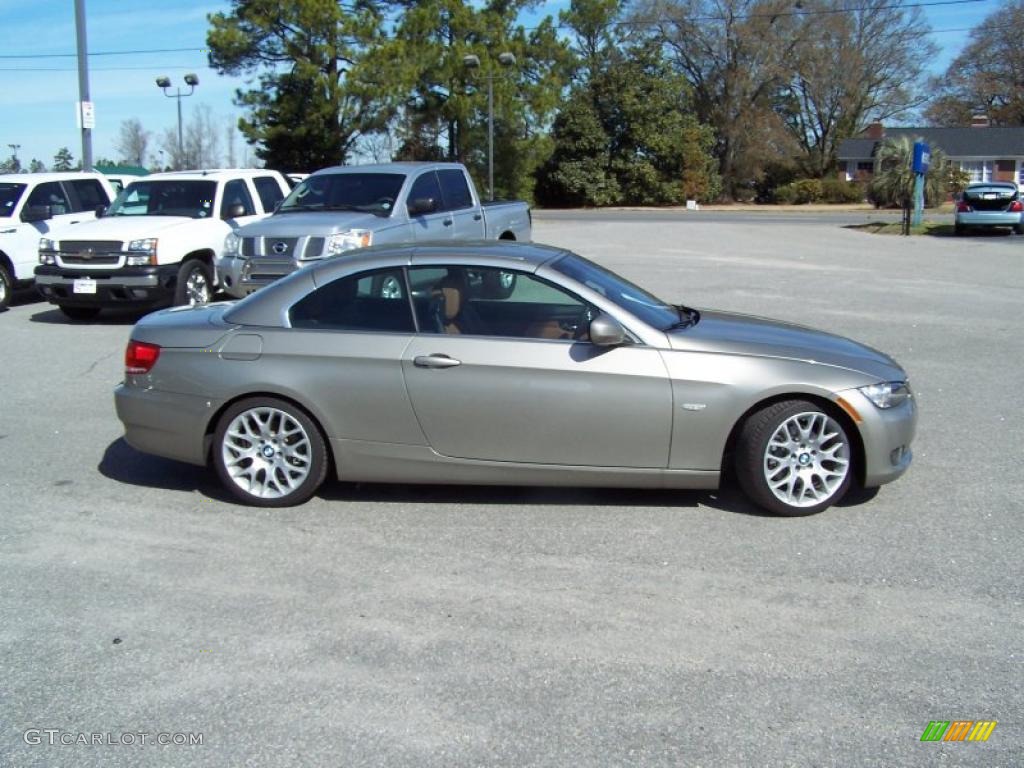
(886,435)
(114,287)
(239,277)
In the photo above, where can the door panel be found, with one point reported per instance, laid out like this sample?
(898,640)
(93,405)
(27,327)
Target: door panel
(541,401)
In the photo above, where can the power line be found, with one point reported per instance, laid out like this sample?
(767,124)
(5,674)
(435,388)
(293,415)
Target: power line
(104,69)
(101,53)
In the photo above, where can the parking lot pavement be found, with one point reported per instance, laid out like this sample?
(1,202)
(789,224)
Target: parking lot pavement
(412,626)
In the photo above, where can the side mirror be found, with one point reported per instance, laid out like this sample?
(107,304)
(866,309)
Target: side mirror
(100,211)
(236,211)
(605,331)
(422,205)
(36,213)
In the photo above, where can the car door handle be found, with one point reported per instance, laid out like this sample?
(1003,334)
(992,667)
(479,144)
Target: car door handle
(447,222)
(477,217)
(435,361)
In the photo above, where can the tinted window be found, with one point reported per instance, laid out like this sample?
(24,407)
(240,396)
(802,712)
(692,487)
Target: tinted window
(236,193)
(52,194)
(368,301)
(268,190)
(9,196)
(166,197)
(631,298)
(426,186)
(369,192)
(479,301)
(455,189)
(90,194)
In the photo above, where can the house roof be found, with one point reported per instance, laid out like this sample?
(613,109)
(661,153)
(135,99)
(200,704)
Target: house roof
(1001,141)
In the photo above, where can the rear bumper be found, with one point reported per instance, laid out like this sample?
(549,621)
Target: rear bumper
(164,423)
(988,219)
(120,287)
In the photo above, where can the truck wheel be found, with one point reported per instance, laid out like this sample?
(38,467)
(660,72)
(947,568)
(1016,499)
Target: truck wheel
(6,288)
(79,313)
(195,284)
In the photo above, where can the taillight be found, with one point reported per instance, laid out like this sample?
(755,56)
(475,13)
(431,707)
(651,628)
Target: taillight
(1015,207)
(140,357)
(963,207)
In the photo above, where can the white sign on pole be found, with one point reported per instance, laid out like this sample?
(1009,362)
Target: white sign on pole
(85,114)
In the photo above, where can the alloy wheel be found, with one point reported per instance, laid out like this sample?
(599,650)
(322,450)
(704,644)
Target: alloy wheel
(266,452)
(807,459)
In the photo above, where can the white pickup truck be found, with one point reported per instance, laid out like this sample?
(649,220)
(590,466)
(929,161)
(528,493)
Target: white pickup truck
(157,242)
(31,206)
(337,209)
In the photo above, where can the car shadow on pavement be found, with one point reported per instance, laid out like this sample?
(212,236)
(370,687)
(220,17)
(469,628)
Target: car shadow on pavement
(53,316)
(124,464)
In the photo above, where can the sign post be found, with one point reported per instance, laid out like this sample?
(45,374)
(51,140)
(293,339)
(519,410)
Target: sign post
(922,157)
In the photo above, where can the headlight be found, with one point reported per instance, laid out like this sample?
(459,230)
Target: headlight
(887,394)
(346,241)
(141,252)
(47,251)
(232,245)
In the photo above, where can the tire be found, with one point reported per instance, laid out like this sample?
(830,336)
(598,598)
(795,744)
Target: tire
(6,288)
(283,473)
(194,285)
(1019,229)
(794,459)
(958,228)
(79,313)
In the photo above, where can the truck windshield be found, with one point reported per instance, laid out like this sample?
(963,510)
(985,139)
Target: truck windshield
(631,298)
(367,192)
(10,194)
(169,197)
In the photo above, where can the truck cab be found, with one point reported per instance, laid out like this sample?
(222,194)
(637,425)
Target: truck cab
(32,205)
(156,244)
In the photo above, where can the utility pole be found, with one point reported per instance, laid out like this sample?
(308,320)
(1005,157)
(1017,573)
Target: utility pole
(83,86)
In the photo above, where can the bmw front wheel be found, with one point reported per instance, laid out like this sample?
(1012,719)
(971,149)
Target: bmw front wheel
(794,459)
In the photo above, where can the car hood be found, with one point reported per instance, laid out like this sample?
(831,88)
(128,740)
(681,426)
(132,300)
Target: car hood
(314,224)
(724,332)
(125,227)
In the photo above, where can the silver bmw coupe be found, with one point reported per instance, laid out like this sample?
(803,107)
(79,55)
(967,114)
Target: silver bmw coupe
(507,363)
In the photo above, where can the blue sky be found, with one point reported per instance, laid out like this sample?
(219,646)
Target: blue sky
(38,95)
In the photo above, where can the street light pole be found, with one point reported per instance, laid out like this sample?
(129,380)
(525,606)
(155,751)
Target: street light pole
(163,83)
(471,61)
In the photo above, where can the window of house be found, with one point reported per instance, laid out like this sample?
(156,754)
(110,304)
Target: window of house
(979,170)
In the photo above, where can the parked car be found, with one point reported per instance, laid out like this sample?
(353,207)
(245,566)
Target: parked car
(157,242)
(34,204)
(577,377)
(340,209)
(989,204)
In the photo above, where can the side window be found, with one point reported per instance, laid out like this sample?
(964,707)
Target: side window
(426,187)
(52,194)
(455,189)
(90,194)
(269,191)
(236,193)
(484,301)
(368,301)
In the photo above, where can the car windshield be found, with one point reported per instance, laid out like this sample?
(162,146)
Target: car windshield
(167,197)
(367,192)
(10,194)
(631,298)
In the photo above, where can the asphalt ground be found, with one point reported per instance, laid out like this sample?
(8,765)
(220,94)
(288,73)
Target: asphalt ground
(447,626)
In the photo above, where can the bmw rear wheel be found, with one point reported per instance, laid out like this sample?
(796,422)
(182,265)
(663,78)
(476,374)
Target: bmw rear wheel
(269,453)
(794,459)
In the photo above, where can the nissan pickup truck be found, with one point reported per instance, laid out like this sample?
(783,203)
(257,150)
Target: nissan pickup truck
(31,206)
(157,242)
(339,209)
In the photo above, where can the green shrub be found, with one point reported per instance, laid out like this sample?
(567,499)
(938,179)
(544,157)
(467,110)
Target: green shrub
(839,191)
(799,192)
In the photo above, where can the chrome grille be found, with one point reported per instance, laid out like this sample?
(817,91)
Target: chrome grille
(90,251)
(248,246)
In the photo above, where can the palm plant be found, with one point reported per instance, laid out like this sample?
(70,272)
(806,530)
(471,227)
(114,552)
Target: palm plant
(892,183)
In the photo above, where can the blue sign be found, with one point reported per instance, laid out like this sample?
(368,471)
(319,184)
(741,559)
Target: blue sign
(922,156)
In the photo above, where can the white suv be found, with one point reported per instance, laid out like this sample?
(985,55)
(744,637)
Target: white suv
(158,242)
(34,204)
